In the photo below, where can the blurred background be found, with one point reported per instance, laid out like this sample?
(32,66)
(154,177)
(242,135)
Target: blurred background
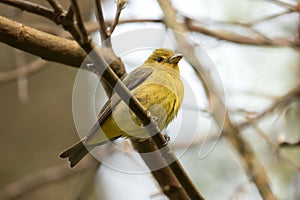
(40,117)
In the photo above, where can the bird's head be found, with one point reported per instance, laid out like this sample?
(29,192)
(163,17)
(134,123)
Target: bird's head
(164,57)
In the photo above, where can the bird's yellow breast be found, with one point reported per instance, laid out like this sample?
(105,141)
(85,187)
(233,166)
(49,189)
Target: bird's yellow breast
(161,94)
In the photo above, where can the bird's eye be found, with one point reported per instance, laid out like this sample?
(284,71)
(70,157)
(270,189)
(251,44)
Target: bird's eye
(160,59)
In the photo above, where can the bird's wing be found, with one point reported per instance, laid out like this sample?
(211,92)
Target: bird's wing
(134,79)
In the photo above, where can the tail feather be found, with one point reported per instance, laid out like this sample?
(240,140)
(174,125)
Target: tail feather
(75,153)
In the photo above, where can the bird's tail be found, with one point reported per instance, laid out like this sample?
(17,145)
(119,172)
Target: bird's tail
(76,152)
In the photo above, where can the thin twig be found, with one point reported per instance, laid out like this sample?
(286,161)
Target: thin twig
(298,33)
(197,142)
(94,26)
(101,22)
(120,7)
(31,7)
(226,34)
(282,4)
(70,14)
(85,185)
(289,144)
(41,178)
(56,6)
(238,190)
(12,75)
(268,18)
(275,148)
(85,39)
(222,33)
(22,80)
(294,94)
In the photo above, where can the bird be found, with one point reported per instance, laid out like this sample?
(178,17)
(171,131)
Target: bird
(158,87)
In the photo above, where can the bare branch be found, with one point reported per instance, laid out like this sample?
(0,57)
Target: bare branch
(31,7)
(274,147)
(41,178)
(120,7)
(289,144)
(28,69)
(49,47)
(284,100)
(268,18)
(223,33)
(56,6)
(85,39)
(44,45)
(21,80)
(298,34)
(70,14)
(94,26)
(283,4)
(102,25)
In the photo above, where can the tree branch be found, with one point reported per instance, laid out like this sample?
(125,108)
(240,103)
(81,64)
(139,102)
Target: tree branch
(49,47)
(56,6)
(12,75)
(284,100)
(41,178)
(31,7)
(290,144)
(101,22)
(44,45)
(224,33)
(85,38)
(120,7)
(282,4)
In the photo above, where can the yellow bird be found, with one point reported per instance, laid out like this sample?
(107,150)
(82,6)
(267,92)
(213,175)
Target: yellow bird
(156,84)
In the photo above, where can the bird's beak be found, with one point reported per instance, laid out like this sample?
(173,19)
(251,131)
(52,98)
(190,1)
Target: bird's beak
(175,58)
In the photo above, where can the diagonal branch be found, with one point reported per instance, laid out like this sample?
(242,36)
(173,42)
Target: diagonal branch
(290,144)
(12,75)
(120,7)
(283,4)
(31,7)
(227,34)
(102,25)
(49,47)
(106,33)
(85,39)
(284,100)
(44,45)
(56,6)
(40,178)
(220,30)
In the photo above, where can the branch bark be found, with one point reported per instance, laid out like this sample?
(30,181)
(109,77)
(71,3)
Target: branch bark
(50,47)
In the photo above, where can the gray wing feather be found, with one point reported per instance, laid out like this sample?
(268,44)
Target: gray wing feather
(134,79)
